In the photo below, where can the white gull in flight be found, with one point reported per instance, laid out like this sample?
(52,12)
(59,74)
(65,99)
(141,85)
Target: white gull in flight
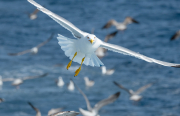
(82,50)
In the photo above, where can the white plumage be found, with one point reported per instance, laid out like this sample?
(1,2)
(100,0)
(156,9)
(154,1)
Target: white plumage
(82,50)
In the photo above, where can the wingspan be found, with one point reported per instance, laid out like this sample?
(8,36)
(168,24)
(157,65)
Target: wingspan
(126,51)
(63,22)
(20,53)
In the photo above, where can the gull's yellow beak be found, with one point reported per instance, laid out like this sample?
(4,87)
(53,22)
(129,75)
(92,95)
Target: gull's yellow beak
(91,41)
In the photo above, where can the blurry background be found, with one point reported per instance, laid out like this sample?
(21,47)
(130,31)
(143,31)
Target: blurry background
(159,20)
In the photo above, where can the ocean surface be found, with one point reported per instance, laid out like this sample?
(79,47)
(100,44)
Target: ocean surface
(159,20)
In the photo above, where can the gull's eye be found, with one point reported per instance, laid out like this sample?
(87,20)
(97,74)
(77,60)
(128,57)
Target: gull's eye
(88,37)
(94,37)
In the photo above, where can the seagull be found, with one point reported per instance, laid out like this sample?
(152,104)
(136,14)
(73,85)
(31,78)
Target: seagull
(33,50)
(94,111)
(120,26)
(82,50)
(16,82)
(50,112)
(33,15)
(101,52)
(176,35)
(88,82)
(107,72)
(71,86)
(134,95)
(60,82)
(65,113)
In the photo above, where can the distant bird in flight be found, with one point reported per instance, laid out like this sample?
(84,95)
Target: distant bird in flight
(33,15)
(65,113)
(51,112)
(134,95)
(17,81)
(101,52)
(1,100)
(89,83)
(107,72)
(82,50)
(33,50)
(176,35)
(120,26)
(94,111)
(60,82)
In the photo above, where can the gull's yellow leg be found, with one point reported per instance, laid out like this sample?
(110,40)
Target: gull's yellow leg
(79,69)
(69,64)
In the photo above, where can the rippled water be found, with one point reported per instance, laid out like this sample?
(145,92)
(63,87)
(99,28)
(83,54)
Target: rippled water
(159,20)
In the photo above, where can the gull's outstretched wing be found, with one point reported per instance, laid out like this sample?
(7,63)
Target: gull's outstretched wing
(43,43)
(109,36)
(63,22)
(109,23)
(8,79)
(20,53)
(85,97)
(38,113)
(53,111)
(33,77)
(120,86)
(176,35)
(107,101)
(65,113)
(126,51)
(140,90)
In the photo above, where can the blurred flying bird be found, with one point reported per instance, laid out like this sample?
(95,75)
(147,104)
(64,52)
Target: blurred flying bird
(82,50)
(101,52)
(120,26)
(94,111)
(107,72)
(88,82)
(65,113)
(51,112)
(17,81)
(176,35)
(134,95)
(60,82)
(1,81)
(33,15)
(33,50)
(71,86)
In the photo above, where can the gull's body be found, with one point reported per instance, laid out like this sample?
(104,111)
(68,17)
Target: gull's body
(16,82)
(60,82)
(33,15)
(134,95)
(88,82)
(82,50)
(71,86)
(33,50)
(94,111)
(65,113)
(120,26)
(107,72)
(176,35)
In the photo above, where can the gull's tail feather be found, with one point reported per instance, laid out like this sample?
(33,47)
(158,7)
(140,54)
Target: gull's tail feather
(68,46)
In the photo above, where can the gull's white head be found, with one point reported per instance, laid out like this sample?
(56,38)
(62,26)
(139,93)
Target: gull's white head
(91,38)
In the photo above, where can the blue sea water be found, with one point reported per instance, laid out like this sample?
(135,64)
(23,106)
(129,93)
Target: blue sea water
(159,20)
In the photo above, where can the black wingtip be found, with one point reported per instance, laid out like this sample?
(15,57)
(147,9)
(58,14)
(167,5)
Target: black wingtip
(115,83)
(117,94)
(177,66)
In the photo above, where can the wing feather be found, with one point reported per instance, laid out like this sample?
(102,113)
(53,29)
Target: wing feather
(126,51)
(63,22)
